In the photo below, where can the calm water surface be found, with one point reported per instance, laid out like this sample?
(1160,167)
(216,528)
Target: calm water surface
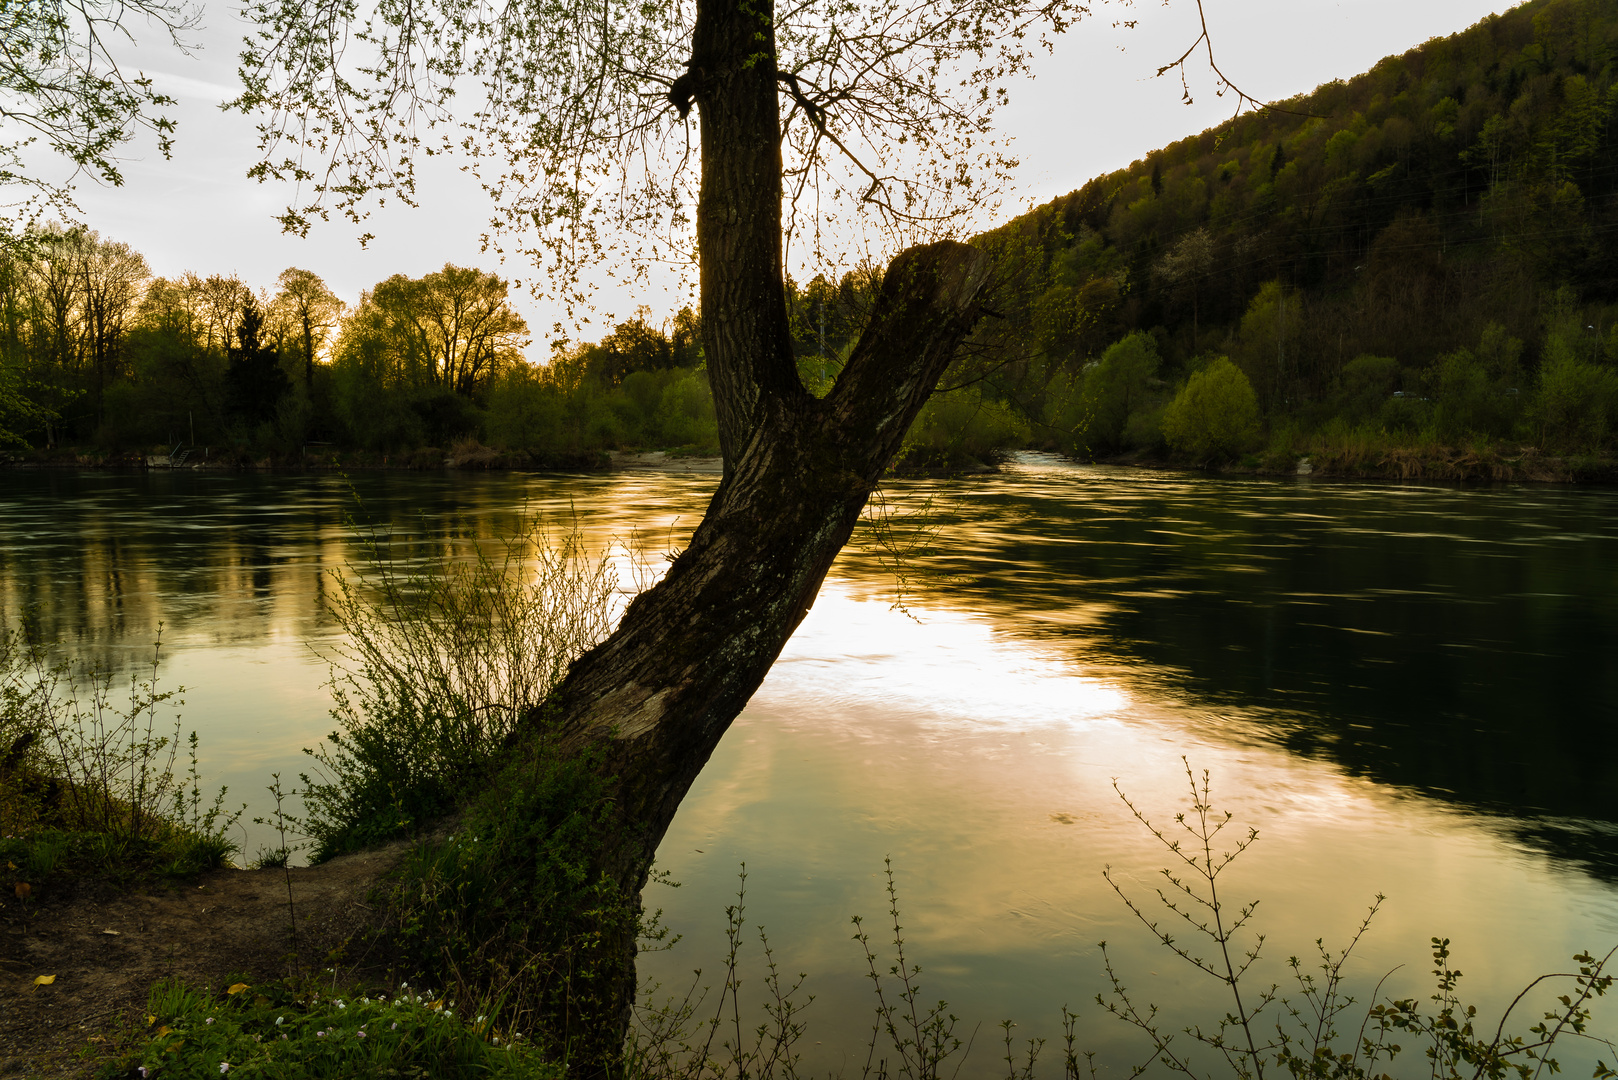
(1407,690)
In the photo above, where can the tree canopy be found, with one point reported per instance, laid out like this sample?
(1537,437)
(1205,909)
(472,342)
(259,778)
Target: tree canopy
(577,115)
(62,88)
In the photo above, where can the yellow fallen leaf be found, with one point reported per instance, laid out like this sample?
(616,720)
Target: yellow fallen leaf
(44,980)
(150,1019)
(238,988)
(164,1030)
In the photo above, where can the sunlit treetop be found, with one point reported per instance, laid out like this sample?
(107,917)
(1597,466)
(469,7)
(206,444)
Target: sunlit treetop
(577,116)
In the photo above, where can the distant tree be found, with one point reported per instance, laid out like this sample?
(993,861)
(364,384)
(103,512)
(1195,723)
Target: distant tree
(686,338)
(634,345)
(215,303)
(1215,415)
(19,412)
(1116,386)
(1186,266)
(254,380)
(176,381)
(115,275)
(71,297)
(1269,340)
(452,329)
(311,309)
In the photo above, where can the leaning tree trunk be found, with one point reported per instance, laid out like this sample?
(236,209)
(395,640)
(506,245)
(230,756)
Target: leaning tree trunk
(663,689)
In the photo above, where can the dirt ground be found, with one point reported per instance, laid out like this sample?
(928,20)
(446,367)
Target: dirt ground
(106,949)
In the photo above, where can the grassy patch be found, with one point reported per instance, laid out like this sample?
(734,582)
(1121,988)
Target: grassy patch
(40,859)
(278,1030)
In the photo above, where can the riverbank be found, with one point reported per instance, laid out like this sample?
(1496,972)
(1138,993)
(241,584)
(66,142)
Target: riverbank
(1449,464)
(79,960)
(1335,462)
(474,459)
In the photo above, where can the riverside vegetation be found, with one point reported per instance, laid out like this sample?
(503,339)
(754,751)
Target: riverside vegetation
(1405,273)
(494,910)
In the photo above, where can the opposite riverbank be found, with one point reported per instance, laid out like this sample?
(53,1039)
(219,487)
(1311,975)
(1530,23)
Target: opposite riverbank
(1473,464)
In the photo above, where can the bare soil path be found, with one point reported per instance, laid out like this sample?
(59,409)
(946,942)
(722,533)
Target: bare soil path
(107,948)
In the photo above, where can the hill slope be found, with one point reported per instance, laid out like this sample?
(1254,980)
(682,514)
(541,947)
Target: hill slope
(1443,228)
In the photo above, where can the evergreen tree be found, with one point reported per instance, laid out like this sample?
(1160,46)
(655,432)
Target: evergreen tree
(254,381)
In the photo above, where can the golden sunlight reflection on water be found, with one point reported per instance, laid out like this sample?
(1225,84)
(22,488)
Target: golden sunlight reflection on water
(983,766)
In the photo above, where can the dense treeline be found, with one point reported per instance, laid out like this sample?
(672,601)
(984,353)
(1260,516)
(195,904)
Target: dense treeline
(96,352)
(1417,264)
(1425,253)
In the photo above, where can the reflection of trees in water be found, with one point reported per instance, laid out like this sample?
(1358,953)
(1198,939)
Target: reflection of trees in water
(100,559)
(1455,643)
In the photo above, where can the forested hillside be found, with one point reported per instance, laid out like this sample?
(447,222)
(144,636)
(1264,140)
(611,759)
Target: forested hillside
(1427,253)
(1411,272)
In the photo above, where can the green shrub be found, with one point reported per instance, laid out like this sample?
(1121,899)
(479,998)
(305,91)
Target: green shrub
(1215,415)
(524,409)
(685,418)
(75,760)
(1471,398)
(1366,384)
(959,428)
(516,902)
(442,664)
(1575,402)
(1116,387)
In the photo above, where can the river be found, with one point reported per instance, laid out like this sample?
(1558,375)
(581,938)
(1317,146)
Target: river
(1408,690)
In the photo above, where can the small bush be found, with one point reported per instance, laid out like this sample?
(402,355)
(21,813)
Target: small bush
(442,664)
(960,429)
(1215,415)
(516,905)
(1574,406)
(80,769)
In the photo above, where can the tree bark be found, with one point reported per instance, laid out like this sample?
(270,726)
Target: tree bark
(688,653)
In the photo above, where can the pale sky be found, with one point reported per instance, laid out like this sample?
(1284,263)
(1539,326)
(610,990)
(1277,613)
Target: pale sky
(1091,108)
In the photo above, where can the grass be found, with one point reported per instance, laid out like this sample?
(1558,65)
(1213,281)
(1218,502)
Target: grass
(281,1030)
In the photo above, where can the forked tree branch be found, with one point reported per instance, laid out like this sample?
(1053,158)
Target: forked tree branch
(1243,98)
